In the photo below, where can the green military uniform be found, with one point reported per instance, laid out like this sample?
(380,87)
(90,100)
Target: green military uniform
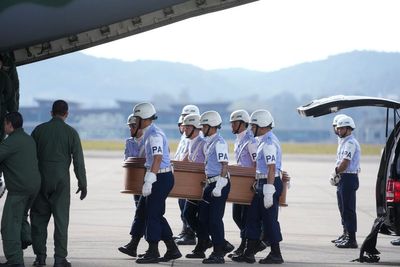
(5,95)
(20,167)
(57,143)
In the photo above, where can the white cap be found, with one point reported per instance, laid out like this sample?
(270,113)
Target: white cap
(192,119)
(262,118)
(346,122)
(144,110)
(336,118)
(211,118)
(131,119)
(190,109)
(240,115)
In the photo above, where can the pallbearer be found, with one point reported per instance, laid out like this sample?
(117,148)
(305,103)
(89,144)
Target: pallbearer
(215,194)
(158,182)
(265,203)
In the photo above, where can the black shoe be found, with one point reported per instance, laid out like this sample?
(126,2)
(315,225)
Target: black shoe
(152,255)
(196,255)
(228,247)
(186,240)
(40,260)
(172,253)
(61,262)
(130,248)
(395,242)
(11,265)
(199,249)
(272,259)
(214,259)
(244,258)
(340,238)
(261,246)
(347,243)
(25,244)
(239,251)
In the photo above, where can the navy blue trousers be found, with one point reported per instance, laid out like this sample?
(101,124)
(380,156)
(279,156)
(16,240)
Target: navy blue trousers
(191,214)
(139,222)
(258,216)
(340,205)
(211,212)
(157,227)
(348,186)
(239,215)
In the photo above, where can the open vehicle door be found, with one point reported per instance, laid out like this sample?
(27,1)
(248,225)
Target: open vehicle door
(388,180)
(38,29)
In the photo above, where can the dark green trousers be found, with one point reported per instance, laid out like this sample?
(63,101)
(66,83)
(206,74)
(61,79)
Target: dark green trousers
(15,227)
(56,203)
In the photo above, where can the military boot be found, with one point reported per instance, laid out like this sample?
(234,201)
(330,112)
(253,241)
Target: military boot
(130,248)
(61,262)
(152,254)
(249,252)
(227,247)
(274,257)
(240,249)
(199,249)
(187,238)
(40,260)
(217,256)
(11,265)
(172,253)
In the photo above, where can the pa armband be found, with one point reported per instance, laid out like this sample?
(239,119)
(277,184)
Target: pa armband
(156,144)
(222,152)
(252,148)
(349,150)
(269,154)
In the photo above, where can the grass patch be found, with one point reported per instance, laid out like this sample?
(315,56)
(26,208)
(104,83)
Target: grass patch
(287,148)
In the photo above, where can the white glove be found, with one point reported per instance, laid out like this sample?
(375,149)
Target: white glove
(149,179)
(268,191)
(334,179)
(221,183)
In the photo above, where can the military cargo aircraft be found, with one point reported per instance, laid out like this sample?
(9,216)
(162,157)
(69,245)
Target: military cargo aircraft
(34,30)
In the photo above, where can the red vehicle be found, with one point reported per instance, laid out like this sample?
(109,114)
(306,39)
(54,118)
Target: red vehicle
(388,178)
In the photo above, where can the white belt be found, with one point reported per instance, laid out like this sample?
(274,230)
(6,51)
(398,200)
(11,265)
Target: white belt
(355,172)
(261,176)
(164,170)
(212,179)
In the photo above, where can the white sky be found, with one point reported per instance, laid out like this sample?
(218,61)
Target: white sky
(267,35)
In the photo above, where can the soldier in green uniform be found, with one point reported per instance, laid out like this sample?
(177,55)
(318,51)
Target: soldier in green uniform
(19,164)
(57,143)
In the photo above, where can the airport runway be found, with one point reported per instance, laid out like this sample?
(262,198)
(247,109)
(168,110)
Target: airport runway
(101,223)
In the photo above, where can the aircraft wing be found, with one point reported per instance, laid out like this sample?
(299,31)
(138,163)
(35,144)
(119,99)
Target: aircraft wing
(39,29)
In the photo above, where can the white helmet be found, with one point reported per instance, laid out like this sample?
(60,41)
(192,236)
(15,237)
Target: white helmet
(131,119)
(190,109)
(144,110)
(346,122)
(180,119)
(240,115)
(336,118)
(192,119)
(262,118)
(211,118)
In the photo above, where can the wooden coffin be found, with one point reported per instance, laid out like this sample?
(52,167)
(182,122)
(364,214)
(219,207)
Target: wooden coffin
(189,180)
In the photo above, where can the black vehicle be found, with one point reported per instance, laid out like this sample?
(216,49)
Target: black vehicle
(388,177)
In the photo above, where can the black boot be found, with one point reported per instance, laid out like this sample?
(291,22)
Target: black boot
(188,238)
(227,247)
(341,238)
(61,262)
(217,256)
(172,253)
(131,247)
(183,231)
(152,254)
(199,249)
(40,260)
(249,252)
(261,246)
(11,265)
(274,257)
(240,249)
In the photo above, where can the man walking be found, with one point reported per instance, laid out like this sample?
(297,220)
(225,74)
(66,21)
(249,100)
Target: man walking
(19,163)
(57,143)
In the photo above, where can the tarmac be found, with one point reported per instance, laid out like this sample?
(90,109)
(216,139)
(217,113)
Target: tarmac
(101,223)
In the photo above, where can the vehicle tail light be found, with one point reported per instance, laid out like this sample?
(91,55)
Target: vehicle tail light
(393,191)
